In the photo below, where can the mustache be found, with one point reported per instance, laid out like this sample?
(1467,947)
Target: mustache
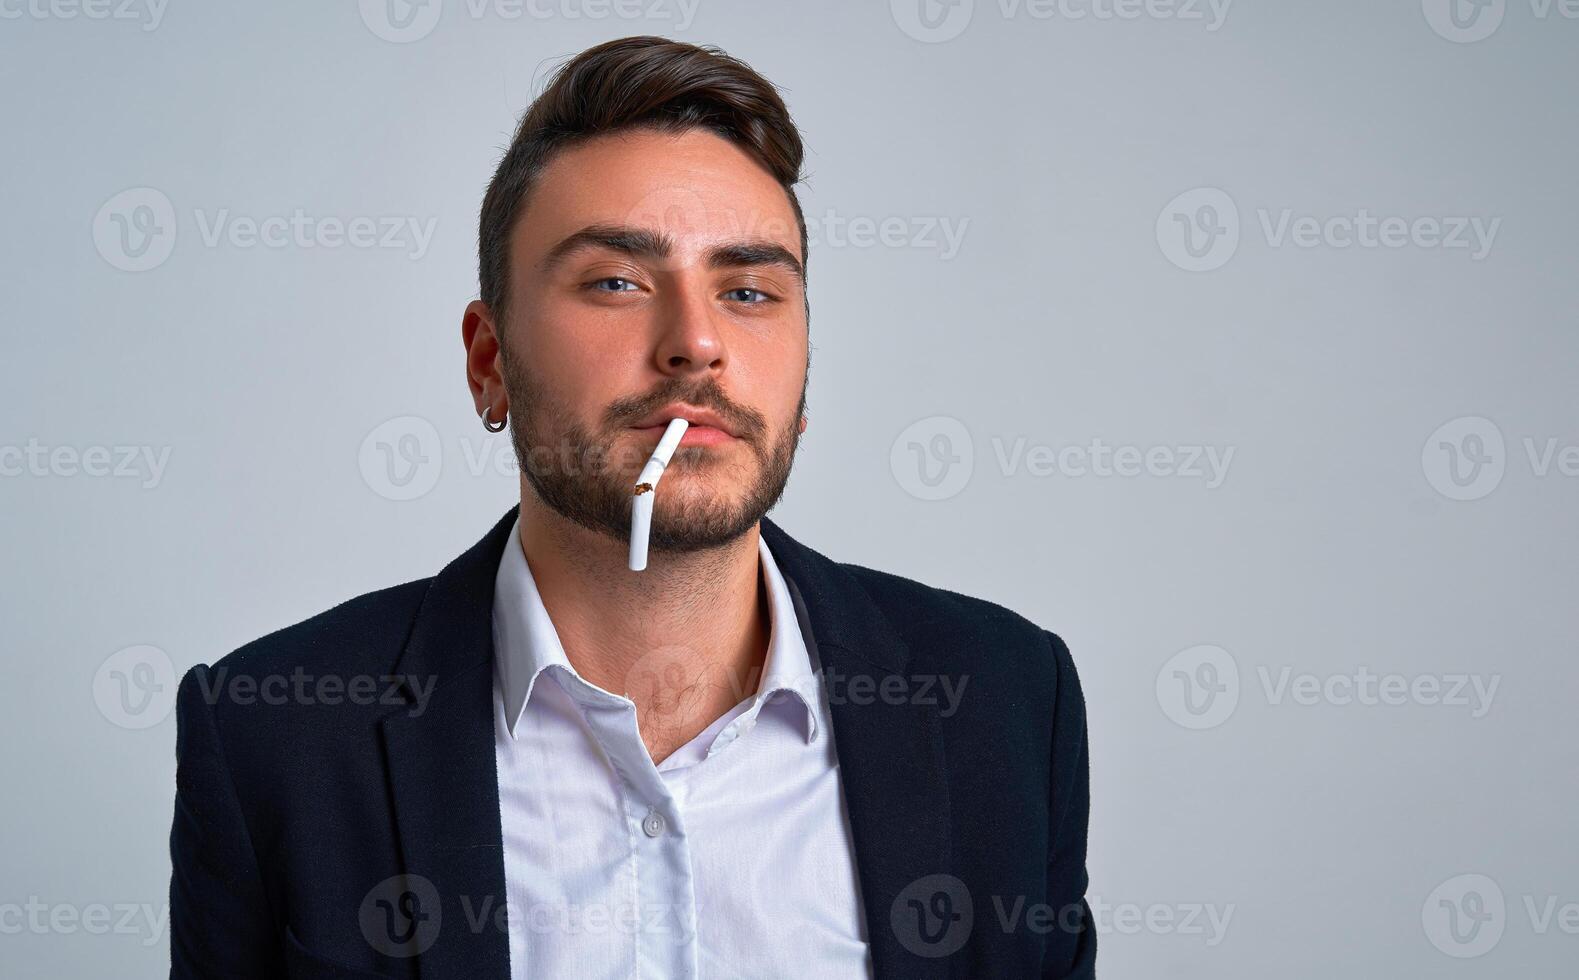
(710,394)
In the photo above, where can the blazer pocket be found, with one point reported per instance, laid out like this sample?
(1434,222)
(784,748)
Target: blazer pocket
(302,963)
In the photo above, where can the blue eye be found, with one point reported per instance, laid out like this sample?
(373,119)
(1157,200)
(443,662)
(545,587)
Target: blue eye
(619,285)
(745,295)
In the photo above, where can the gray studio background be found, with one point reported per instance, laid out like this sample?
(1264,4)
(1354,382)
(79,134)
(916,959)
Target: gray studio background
(1300,493)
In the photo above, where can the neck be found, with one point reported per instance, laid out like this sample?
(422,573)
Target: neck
(685,638)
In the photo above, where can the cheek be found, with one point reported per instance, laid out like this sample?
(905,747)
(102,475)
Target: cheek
(583,359)
(784,373)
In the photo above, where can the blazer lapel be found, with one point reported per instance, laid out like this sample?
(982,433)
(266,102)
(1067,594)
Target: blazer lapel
(444,784)
(890,755)
(443,781)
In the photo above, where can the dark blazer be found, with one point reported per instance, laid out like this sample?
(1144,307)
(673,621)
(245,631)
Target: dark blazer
(337,806)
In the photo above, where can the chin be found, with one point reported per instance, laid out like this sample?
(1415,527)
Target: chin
(691,525)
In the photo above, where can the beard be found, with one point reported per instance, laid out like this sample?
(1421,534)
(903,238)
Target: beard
(583,477)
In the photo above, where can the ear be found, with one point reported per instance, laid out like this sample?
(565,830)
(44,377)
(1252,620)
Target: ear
(803,420)
(484,363)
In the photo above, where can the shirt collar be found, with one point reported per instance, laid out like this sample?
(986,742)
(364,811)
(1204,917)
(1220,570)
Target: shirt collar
(526,642)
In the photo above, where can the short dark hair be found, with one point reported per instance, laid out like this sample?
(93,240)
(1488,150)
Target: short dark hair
(624,84)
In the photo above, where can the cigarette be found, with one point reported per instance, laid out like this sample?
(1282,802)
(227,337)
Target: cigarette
(645,490)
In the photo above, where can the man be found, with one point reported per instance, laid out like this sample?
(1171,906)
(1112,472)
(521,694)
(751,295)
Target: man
(746,760)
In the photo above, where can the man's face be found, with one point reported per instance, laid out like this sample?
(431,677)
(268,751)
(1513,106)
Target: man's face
(654,273)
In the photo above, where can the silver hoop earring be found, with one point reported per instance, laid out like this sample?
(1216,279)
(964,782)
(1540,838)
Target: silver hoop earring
(494,426)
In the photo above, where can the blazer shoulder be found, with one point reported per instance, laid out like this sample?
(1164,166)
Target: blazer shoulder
(1024,688)
(941,619)
(290,712)
(363,633)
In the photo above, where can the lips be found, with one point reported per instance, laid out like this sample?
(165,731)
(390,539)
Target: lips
(706,425)
(696,435)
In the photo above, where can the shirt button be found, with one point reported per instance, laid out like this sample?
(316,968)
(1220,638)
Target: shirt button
(652,823)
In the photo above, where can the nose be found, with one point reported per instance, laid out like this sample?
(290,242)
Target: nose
(690,344)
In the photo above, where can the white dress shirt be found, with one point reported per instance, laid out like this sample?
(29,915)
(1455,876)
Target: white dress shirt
(732,858)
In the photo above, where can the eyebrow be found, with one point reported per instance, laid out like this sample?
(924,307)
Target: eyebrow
(641,243)
(739,254)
